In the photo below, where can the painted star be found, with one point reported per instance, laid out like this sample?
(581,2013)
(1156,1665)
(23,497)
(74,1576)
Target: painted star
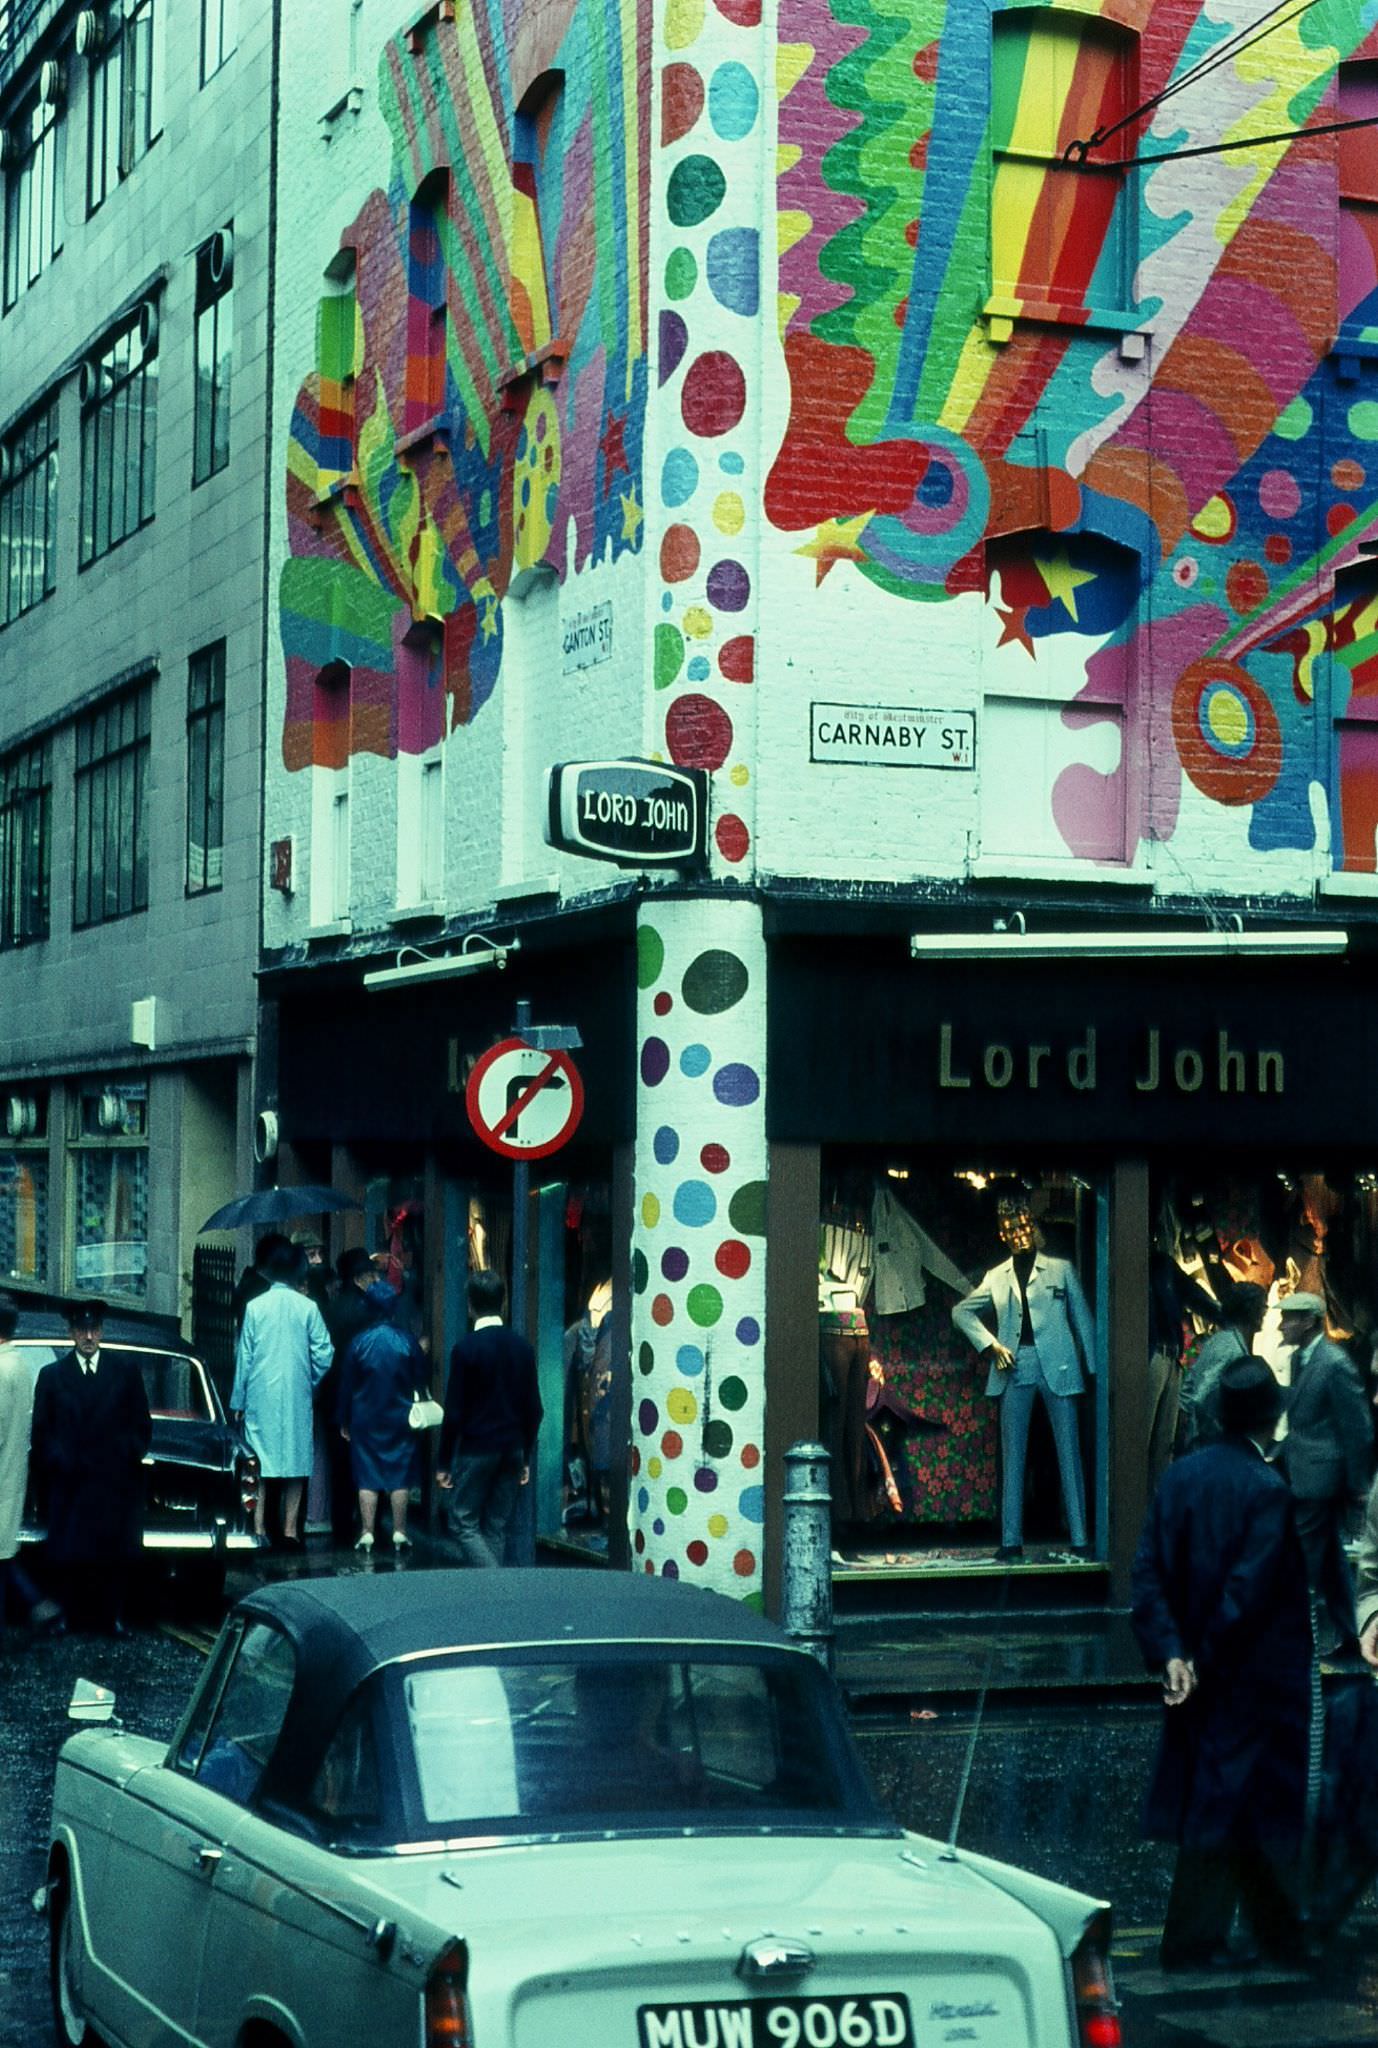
(613,447)
(632,514)
(1013,627)
(837,540)
(488,621)
(1063,580)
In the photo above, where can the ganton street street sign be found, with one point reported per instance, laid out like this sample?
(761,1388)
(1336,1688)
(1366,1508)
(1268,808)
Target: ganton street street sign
(642,814)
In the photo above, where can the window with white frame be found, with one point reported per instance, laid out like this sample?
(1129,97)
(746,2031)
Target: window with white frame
(420,829)
(33,197)
(28,513)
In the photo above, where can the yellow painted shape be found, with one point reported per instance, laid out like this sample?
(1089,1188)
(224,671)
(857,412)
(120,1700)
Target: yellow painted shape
(739,775)
(968,382)
(535,480)
(1283,63)
(698,622)
(654,1468)
(1062,579)
(650,1211)
(1214,521)
(680,1405)
(787,155)
(729,513)
(717,1525)
(632,514)
(792,60)
(683,23)
(1227,718)
(791,228)
(787,304)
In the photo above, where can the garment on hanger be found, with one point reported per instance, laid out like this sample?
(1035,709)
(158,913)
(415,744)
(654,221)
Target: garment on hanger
(844,1265)
(904,1255)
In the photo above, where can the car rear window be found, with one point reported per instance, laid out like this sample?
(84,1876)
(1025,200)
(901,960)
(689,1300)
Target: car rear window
(528,1745)
(176,1387)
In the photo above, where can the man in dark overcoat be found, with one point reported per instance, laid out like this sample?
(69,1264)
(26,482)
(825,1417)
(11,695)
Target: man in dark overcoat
(1222,1610)
(91,1430)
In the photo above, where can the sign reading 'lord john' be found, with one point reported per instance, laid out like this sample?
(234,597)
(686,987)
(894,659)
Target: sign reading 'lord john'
(642,814)
(868,1046)
(1218,1066)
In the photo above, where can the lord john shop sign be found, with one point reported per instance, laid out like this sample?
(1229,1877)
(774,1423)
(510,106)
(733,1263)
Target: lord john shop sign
(1136,1052)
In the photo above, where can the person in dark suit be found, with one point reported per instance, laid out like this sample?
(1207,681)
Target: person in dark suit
(492,1414)
(1222,1610)
(91,1430)
(1326,1456)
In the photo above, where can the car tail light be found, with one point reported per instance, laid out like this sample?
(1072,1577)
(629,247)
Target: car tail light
(447,2007)
(248,1481)
(1093,1989)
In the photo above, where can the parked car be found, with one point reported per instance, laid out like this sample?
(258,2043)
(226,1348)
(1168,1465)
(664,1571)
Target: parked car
(521,1809)
(202,1476)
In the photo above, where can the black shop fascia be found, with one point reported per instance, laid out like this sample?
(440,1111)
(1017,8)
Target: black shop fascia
(870,1046)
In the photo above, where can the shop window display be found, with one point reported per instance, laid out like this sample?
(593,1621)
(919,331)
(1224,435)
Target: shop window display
(110,1190)
(24,1191)
(913,1434)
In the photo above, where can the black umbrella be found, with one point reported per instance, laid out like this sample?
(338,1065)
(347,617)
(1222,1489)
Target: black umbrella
(278,1205)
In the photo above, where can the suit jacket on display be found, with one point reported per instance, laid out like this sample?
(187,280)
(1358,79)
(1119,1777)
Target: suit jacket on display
(89,1440)
(1062,1327)
(1326,1452)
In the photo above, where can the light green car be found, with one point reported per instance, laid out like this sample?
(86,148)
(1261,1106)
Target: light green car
(530,1810)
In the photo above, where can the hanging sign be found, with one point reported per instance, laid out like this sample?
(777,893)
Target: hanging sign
(642,814)
(524,1102)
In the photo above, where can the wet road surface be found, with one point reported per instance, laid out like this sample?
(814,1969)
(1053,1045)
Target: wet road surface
(1055,1787)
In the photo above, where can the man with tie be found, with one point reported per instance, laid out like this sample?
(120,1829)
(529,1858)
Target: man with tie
(91,1430)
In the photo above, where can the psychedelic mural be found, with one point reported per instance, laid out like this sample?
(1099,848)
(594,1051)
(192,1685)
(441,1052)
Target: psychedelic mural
(478,399)
(1128,405)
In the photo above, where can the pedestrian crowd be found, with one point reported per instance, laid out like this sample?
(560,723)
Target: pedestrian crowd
(326,1377)
(1241,1585)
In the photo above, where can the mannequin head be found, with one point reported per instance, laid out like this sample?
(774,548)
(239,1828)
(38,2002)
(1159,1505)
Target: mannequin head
(1018,1232)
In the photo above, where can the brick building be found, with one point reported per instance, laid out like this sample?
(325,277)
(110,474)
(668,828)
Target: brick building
(990,521)
(134,387)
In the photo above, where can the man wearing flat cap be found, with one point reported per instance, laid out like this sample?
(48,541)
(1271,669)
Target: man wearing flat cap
(1222,1612)
(1326,1459)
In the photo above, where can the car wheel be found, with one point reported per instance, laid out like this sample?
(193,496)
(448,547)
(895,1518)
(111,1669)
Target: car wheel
(68,2018)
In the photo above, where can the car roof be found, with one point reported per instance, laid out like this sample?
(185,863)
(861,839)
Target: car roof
(344,1629)
(377,1618)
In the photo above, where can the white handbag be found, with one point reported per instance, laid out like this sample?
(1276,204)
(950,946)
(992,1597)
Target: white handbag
(424,1413)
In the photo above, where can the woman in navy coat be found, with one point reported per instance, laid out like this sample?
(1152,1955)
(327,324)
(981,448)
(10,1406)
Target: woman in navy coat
(383,1371)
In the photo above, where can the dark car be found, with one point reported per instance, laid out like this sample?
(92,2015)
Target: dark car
(202,1477)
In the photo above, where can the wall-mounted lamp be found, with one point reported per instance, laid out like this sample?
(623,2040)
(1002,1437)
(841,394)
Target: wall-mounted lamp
(477,953)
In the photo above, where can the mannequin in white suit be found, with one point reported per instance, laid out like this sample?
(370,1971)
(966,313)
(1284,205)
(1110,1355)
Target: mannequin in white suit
(1043,1344)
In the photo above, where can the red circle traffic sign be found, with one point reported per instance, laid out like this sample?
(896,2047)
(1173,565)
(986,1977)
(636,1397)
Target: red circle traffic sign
(522,1102)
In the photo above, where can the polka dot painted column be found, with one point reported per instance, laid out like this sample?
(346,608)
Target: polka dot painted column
(703,466)
(698,1246)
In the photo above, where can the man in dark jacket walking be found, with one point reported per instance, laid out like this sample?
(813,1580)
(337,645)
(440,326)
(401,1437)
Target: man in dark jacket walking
(1222,1610)
(492,1414)
(91,1429)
